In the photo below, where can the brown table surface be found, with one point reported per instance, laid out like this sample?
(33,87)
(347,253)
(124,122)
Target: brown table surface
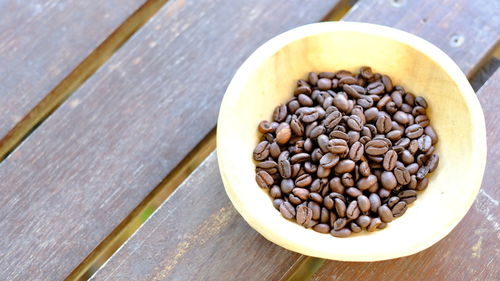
(108,106)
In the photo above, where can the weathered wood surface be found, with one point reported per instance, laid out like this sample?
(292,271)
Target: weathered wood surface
(198,235)
(466,30)
(66,187)
(42,41)
(472,250)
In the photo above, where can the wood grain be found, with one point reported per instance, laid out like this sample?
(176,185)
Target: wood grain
(472,250)
(465,30)
(67,186)
(198,235)
(42,41)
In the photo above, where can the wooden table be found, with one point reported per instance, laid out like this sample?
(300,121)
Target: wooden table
(108,106)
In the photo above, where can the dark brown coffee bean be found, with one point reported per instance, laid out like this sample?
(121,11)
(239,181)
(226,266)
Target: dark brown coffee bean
(420,101)
(295,200)
(308,115)
(355,123)
(340,207)
(266,127)
(280,113)
(337,146)
(375,202)
(312,78)
(390,159)
(329,75)
(293,105)
(275,191)
(364,169)
(283,133)
(328,203)
(339,223)
(325,215)
(406,157)
(412,168)
(353,192)
(304,215)
(296,126)
(347,79)
(285,168)
(264,180)
(363,203)
(374,223)
(333,119)
(302,193)
(388,180)
(287,210)
(432,162)
(322,228)
(366,182)
(402,175)
(371,114)
(339,135)
(344,166)
(354,227)
(287,185)
(376,147)
(424,143)
(316,210)
(324,84)
(385,213)
(341,103)
(375,88)
(329,160)
(267,164)
(353,210)
(323,172)
(387,83)
(409,99)
(399,209)
(401,117)
(344,232)
(391,107)
(261,151)
(422,184)
(384,124)
(363,221)
(413,182)
(356,151)
(277,203)
(347,180)
(300,157)
(303,180)
(422,172)
(351,92)
(407,194)
(318,130)
(336,185)
(429,130)
(392,201)
(394,135)
(422,120)
(414,131)
(274,150)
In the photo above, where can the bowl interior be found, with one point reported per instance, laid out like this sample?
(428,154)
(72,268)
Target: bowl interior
(268,78)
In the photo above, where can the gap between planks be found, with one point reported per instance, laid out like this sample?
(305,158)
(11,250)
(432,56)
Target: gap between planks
(77,77)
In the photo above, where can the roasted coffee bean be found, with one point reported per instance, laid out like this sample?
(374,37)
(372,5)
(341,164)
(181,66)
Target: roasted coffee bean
(295,200)
(296,170)
(390,159)
(382,225)
(339,223)
(422,172)
(412,168)
(337,146)
(340,207)
(353,192)
(305,100)
(356,151)
(316,197)
(287,210)
(296,126)
(328,203)
(287,185)
(353,210)
(283,133)
(375,202)
(329,160)
(424,143)
(406,157)
(432,162)
(275,191)
(376,147)
(324,84)
(392,201)
(274,150)
(277,203)
(413,182)
(341,233)
(402,175)
(308,115)
(384,193)
(285,168)
(344,166)
(351,92)
(422,120)
(261,151)
(408,196)
(388,180)
(429,130)
(385,213)
(371,113)
(347,180)
(387,83)
(420,101)
(299,158)
(325,215)
(422,184)
(293,105)
(302,193)
(341,103)
(353,137)
(401,117)
(374,223)
(363,203)
(304,215)
(363,221)
(280,113)
(394,135)
(322,228)
(323,172)
(316,210)
(375,88)
(339,135)
(266,127)
(267,164)
(264,180)
(355,228)
(409,99)
(364,169)
(414,131)
(355,123)
(303,180)
(399,209)
(366,182)
(316,155)
(312,78)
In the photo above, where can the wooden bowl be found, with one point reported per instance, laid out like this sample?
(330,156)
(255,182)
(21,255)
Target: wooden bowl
(267,78)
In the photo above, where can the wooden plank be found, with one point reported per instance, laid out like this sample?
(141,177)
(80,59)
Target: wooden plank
(91,162)
(198,235)
(466,30)
(472,250)
(43,41)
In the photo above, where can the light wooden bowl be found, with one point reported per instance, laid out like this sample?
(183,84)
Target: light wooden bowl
(268,77)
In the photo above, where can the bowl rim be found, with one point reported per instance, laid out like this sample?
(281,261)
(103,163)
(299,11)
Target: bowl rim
(431,51)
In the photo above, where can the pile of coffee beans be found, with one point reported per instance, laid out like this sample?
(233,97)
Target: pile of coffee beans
(348,152)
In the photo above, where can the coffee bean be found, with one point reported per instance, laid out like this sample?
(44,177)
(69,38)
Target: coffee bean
(280,113)
(394,135)
(406,157)
(264,180)
(329,160)
(285,168)
(287,210)
(414,131)
(374,223)
(385,213)
(424,143)
(347,180)
(353,210)
(353,192)
(322,228)
(356,151)
(325,215)
(323,172)
(432,162)
(422,172)
(399,209)
(355,123)
(391,107)
(339,135)
(382,225)
(300,157)
(408,196)
(390,160)
(420,101)
(308,115)
(340,207)
(277,203)
(366,182)
(422,120)
(371,113)
(351,92)
(392,201)
(304,215)
(344,166)
(344,232)
(364,169)
(363,221)
(363,203)
(384,193)
(274,150)
(387,83)
(312,78)
(412,168)
(429,130)
(422,184)
(261,151)
(287,186)
(339,223)
(375,88)
(375,202)
(376,147)
(283,133)
(337,146)
(296,126)
(295,200)
(324,84)
(303,180)
(402,175)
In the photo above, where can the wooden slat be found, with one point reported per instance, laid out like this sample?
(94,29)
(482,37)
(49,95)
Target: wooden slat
(466,30)
(41,42)
(92,161)
(471,251)
(198,235)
